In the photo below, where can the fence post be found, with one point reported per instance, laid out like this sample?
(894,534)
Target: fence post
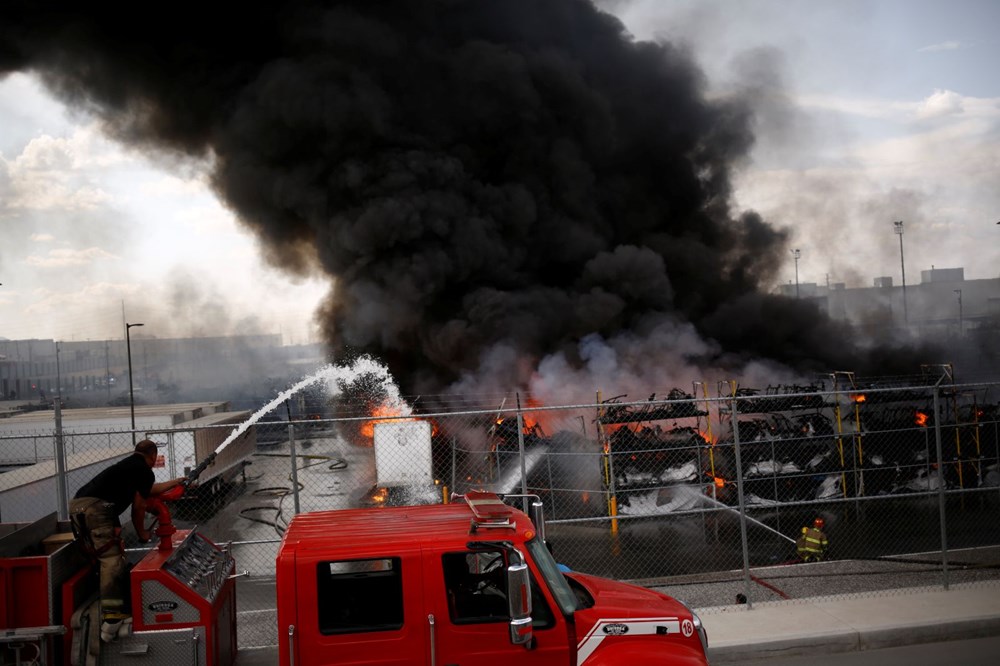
(454,462)
(520,454)
(941,503)
(607,468)
(62,507)
(743,509)
(295,467)
(173,472)
(552,485)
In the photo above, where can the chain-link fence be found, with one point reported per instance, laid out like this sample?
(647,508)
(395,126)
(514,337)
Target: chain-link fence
(705,495)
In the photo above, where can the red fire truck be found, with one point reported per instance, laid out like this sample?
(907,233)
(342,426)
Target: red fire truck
(470,582)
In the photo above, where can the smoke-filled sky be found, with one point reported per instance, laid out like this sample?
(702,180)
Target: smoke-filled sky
(528,191)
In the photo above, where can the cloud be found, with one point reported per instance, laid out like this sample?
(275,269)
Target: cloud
(47,300)
(42,238)
(60,173)
(941,103)
(950,45)
(169,185)
(931,162)
(39,194)
(855,106)
(66,257)
(45,153)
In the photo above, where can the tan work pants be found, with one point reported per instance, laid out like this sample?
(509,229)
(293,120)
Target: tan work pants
(102,532)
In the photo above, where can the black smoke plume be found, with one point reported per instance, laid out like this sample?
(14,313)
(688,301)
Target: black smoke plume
(487,183)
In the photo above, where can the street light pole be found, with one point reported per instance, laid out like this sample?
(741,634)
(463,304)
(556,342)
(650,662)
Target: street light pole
(961,332)
(131,393)
(796,254)
(898,229)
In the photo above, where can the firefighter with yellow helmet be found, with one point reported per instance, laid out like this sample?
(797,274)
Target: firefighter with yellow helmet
(812,543)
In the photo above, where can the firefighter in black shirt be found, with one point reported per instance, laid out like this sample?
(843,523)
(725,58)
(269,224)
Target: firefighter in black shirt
(94,512)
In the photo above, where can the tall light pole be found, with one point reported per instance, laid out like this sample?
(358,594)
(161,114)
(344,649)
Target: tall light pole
(131,394)
(898,229)
(796,254)
(960,322)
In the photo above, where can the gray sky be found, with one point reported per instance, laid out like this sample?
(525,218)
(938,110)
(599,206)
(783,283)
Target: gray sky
(867,112)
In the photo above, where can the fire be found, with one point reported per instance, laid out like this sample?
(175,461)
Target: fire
(611,428)
(704,435)
(920,418)
(531,421)
(383,413)
(859,398)
(719,482)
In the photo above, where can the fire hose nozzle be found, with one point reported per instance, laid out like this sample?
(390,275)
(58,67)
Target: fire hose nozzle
(196,472)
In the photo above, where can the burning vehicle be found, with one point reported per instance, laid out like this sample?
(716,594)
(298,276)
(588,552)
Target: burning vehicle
(784,458)
(803,448)
(639,453)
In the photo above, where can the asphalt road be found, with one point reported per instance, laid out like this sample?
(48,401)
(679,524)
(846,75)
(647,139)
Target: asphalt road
(975,652)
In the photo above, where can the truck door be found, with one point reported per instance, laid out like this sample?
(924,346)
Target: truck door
(360,610)
(467,594)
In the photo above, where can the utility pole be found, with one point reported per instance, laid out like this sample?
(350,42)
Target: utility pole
(131,394)
(58,376)
(961,327)
(898,229)
(796,254)
(107,369)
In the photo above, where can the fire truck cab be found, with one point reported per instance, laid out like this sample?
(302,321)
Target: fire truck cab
(471,582)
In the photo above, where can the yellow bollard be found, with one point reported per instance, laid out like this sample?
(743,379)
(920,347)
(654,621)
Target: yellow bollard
(613,511)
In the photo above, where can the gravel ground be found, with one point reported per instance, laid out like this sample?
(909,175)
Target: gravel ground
(839,577)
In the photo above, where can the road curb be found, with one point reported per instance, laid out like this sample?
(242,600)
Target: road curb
(854,640)
(929,632)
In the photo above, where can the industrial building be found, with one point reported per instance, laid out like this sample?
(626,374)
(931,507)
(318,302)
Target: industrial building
(95,372)
(942,304)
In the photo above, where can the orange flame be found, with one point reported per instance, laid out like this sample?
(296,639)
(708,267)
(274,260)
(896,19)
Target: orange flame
(611,428)
(531,421)
(381,412)
(719,482)
(920,419)
(859,398)
(528,422)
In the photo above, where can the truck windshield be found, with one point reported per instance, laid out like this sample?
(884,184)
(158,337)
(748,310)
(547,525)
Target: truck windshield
(553,577)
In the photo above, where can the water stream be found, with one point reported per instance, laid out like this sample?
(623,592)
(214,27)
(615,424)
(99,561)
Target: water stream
(335,377)
(716,502)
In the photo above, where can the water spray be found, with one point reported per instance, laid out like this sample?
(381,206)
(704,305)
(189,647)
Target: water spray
(756,522)
(333,375)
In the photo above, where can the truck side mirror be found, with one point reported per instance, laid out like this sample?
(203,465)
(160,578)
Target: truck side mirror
(519,603)
(536,511)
